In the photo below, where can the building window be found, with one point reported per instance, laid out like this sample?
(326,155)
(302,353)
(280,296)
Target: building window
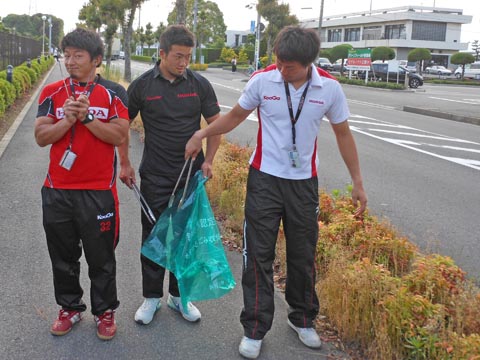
(244,39)
(372,33)
(335,35)
(395,32)
(352,34)
(431,31)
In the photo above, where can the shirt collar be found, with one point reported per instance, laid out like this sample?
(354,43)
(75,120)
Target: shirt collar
(316,79)
(158,73)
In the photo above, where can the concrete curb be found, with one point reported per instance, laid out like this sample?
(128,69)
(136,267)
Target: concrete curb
(443,115)
(13,128)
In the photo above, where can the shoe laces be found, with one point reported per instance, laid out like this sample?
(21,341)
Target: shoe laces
(64,314)
(149,303)
(106,318)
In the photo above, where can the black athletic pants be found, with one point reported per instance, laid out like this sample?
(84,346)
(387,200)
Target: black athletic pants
(73,219)
(156,190)
(269,200)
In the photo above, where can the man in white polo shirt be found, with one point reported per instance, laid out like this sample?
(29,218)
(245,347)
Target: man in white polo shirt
(291,98)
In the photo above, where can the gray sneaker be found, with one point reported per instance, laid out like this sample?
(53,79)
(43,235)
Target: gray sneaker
(191,313)
(250,348)
(308,336)
(147,310)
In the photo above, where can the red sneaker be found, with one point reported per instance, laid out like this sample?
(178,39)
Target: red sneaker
(106,327)
(65,321)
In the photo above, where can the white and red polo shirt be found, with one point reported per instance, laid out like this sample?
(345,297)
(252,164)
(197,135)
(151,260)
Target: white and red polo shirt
(266,92)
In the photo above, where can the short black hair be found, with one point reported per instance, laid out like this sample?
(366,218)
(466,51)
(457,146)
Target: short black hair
(294,43)
(176,35)
(84,39)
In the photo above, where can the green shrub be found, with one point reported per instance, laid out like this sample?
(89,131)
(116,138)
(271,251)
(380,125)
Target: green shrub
(8,91)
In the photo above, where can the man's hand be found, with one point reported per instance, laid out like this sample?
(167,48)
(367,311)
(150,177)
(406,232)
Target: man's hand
(194,146)
(127,175)
(359,196)
(207,169)
(76,109)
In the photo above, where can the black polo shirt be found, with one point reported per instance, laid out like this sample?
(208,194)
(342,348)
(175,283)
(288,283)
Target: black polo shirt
(171,112)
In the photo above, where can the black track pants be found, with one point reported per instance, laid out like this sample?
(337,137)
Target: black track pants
(156,190)
(270,200)
(73,219)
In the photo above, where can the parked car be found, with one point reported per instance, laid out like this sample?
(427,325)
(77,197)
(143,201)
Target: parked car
(338,64)
(379,73)
(121,55)
(438,70)
(471,71)
(409,65)
(324,63)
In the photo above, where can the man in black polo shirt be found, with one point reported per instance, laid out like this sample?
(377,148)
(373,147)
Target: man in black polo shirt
(171,100)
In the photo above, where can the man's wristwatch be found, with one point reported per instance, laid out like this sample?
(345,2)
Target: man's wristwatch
(88,119)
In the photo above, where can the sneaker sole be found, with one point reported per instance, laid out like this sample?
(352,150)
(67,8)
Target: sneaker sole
(60,333)
(105,338)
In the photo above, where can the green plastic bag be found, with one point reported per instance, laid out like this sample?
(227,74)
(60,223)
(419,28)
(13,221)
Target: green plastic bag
(186,241)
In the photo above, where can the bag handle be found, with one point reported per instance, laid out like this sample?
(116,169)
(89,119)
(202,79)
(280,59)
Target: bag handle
(170,201)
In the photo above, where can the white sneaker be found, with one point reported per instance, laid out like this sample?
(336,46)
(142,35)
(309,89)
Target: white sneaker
(308,336)
(145,312)
(250,348)
(191,314)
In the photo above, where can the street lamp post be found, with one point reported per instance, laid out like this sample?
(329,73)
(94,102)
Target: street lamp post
(49,35)
(43,36)
(257,36)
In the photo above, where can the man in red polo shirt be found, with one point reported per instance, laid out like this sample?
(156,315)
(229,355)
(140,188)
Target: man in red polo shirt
(83,118)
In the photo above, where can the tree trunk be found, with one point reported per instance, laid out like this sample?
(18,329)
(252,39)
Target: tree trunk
(181,6)
(127,73)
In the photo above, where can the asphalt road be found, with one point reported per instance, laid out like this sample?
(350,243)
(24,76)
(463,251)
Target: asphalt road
(27,305)
(420,172)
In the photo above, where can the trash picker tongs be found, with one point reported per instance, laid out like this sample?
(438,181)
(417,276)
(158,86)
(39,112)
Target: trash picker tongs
(180,203)
(143,203)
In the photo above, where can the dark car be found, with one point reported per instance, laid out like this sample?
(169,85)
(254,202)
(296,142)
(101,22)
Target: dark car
(379,73)
(324,63)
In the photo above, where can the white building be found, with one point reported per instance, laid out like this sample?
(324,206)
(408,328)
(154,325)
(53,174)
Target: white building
(402,28)
(236,38)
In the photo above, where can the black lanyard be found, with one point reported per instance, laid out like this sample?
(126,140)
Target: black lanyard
(290,107)
(89,92)
(92,85)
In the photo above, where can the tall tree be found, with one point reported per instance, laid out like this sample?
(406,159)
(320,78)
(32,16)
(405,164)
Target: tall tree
(210,25)
(133,5)
(181,8)
(107,13)
(278,16)
(476,49)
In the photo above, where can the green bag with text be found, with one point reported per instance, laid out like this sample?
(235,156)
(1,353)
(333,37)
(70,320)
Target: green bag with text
(186,241)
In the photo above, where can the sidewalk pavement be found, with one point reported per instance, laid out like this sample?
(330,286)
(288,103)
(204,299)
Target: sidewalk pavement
(27,304)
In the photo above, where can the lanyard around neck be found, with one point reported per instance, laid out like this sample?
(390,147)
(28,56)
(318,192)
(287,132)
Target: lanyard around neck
(290,107)
(89,92)
(90,89)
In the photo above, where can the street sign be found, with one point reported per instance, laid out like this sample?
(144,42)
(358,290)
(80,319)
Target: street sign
(359,59)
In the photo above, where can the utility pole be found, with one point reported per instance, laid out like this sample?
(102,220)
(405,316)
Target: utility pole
(43,36)
(50,35)
(320,19)
(195,17)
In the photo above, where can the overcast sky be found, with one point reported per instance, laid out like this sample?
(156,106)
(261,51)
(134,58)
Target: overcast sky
(238,17)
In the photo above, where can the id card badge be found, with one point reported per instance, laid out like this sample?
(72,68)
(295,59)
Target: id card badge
(294,158)
(68,159)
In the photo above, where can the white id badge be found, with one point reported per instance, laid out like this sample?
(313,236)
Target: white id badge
(68,159)
(294,158)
